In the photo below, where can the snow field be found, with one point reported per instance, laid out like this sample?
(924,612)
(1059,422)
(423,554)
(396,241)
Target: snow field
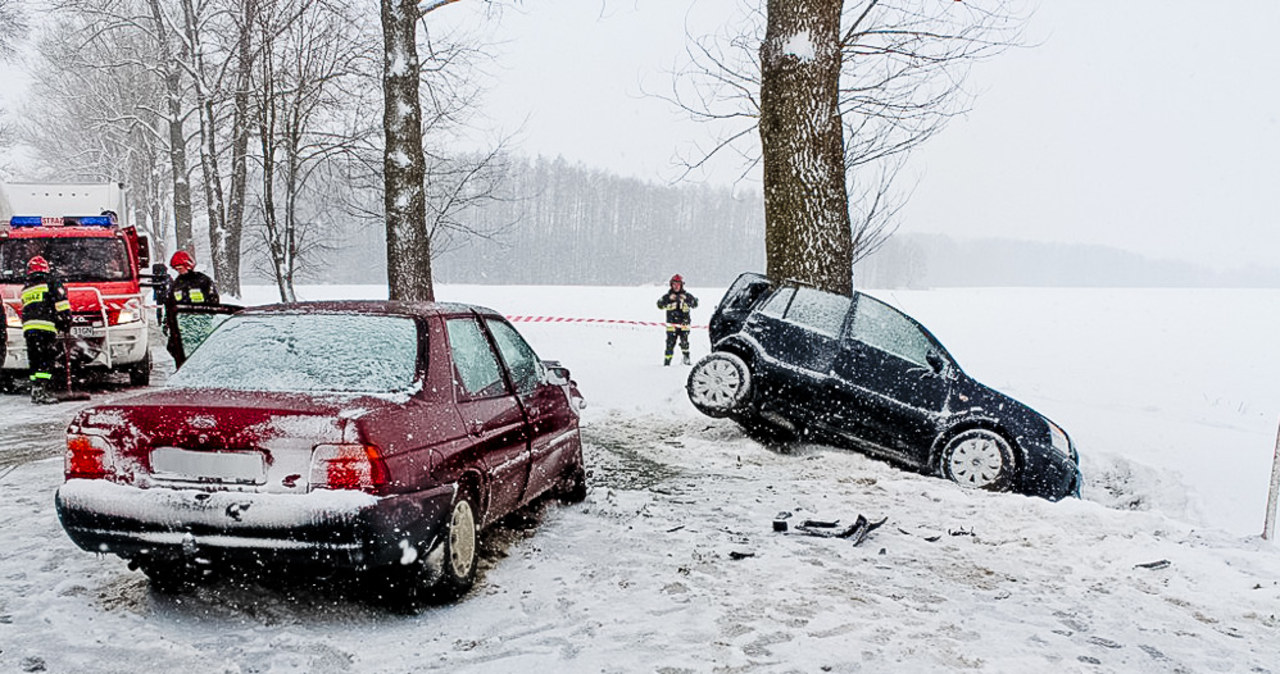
(671,564)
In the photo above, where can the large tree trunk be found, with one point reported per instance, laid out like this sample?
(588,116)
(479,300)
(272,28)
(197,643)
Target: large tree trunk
(183,233)
(239,148)
(215,205)
(408,248)
(807,228)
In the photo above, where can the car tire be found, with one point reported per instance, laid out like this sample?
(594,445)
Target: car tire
(979,458)
(175,577)
(461,551)
(767,432)
(719,384)
(140,374)
(573,485)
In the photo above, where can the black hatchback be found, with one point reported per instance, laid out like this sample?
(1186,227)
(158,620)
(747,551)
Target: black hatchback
(791,361)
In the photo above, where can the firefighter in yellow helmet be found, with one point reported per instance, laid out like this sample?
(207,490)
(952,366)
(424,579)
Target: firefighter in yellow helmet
(46,312)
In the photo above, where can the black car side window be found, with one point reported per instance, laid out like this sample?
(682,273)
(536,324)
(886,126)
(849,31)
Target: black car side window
(880,325)
(819,311)
(476,365)
(777,305)
(526,369)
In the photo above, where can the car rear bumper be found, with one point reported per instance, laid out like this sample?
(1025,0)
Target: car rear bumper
(330,528)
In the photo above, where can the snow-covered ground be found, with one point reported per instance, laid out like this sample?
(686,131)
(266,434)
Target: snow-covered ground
(671,564)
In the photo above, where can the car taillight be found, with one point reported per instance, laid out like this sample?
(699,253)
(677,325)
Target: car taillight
(87,457)
(347,467)
(11,317)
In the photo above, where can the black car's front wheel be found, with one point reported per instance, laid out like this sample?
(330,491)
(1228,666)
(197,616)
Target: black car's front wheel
(980,459)
(719,384)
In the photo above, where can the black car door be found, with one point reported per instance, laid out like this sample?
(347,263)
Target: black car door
(892,381)
(797,331)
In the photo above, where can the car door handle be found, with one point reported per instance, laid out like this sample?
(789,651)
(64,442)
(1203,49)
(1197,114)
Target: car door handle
(475,427)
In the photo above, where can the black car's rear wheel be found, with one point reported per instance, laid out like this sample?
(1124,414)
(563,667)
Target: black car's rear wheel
(719,384)
(979,459)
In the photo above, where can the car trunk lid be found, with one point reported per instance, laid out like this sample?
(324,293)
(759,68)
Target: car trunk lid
(223,440)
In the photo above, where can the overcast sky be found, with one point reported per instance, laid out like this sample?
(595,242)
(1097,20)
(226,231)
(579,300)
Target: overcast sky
(1150,125)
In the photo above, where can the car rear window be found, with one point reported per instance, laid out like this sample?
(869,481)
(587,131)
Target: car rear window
(306,352)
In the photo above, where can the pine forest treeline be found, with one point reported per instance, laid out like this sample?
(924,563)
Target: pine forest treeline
(559,223)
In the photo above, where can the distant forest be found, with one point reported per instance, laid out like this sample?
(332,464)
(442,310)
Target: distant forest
(559,223)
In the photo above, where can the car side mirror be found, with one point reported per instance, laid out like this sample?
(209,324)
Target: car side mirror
(158,278)
(936,362)
(558,375)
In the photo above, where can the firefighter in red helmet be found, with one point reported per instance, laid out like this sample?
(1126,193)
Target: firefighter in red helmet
(677,302)
(46,312)
(191,286)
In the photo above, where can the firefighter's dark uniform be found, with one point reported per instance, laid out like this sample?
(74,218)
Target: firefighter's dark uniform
(677,304)
(193,287)
(46,311)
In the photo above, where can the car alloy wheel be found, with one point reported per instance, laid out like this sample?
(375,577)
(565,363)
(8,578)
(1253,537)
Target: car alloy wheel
(461,551)
(719,384)
(458,573)
(979,459)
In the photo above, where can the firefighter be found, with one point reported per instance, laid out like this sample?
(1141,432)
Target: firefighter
(191,286)
(677,303)
(46,311)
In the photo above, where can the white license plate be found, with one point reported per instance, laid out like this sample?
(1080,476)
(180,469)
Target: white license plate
(87,331)
(235,467)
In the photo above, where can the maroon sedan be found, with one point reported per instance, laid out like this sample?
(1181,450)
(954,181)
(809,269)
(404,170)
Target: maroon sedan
(379,437)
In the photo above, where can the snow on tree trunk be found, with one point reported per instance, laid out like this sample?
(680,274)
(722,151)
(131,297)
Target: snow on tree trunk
(183,233)
(239,147)
(408,247)
(807,227)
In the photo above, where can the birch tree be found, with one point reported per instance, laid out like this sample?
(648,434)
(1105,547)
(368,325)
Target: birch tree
(827,98)
(13,25)
(91,117)
(310,67)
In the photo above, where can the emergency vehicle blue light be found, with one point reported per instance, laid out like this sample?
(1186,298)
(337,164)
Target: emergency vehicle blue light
(24,221)
(94,221)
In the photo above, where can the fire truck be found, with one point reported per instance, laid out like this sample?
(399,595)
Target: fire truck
(82,230)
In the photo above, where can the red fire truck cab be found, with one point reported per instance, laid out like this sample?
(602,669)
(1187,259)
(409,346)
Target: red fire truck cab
(102,264)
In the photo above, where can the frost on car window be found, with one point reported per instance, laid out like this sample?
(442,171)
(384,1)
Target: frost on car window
(820,311)
(880,325)
(477,368)
(778,303)
(307,352)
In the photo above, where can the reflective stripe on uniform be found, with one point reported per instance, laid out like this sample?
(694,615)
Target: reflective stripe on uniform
(34,294)
(195,295)
(34,324)
(63,305)
(40,375)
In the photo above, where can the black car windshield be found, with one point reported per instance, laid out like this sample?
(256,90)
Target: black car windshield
(306,352)
(74,259)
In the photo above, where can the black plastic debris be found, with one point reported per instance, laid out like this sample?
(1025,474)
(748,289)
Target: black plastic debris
(1158,564)
(780,520)
(856,532)
(735,555)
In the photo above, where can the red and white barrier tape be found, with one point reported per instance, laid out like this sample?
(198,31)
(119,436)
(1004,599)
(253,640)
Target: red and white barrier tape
(611,321)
